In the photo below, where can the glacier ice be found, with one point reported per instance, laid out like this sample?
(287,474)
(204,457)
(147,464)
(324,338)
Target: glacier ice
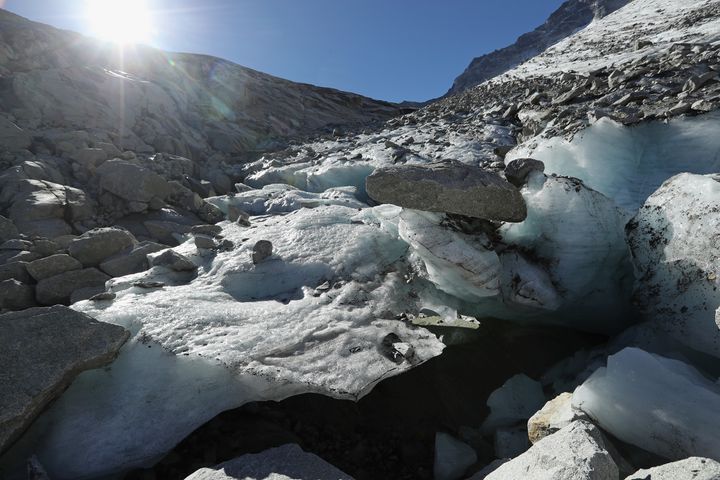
(676,255)
(660,404)
(238,332)
(627,164)
(452,457)
(516,401)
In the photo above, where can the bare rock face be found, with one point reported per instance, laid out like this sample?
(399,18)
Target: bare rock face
(286,462)
(41,352)
(131,182)
(566,20)
(556,414)
(449,187)
(693,468)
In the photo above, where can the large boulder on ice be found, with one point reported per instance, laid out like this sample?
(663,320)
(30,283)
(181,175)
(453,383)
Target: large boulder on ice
(236,333)
(41,352)
(576,452)
(288,462)
(450,187)
(693,468)
(659,404)
(676,255)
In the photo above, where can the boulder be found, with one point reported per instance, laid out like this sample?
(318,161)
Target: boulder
(94,246)
(262,250)
(172,260)
(452,457)
(58,289)
(575,452)
(32,200)
(13,137)
(133,261)
(449,187)
(518,170)
(693,468)
(514,402)
(510,442)
(8,230)
(53,265)
(16,270)
(41,352)
(285,462)
(556,414)
(15,295)
(131,182)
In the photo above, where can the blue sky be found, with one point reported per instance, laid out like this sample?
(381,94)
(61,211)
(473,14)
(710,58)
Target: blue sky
(387,49)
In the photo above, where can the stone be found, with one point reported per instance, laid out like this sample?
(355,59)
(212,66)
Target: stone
(449,187)
(556,414)
(280,463)
(204,242)
(15,295)
(516,401)
(241,217)
(131,182)
(13,137)
(16,244)
(166,232)
(693,468)
(58,289)
(695,83)
(262,250)
(8,230)
(518,170)
(211,230)
(89,158)
(133,261)
(53,265)
(86,293)
(41,351)
(94,246)
(16,270)
(172,260)
(575,452)
(452,457)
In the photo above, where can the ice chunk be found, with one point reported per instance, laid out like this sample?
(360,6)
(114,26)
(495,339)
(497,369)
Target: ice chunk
(516,401)
(629,163)
(676,254)
(237,332)
(659,404)
(452,457)
(458,264)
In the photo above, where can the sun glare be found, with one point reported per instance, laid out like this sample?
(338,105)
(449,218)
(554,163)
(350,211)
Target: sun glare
(120,21)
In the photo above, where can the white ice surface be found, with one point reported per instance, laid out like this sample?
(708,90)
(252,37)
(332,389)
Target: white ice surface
(516,401)
(234,334)
(659,404)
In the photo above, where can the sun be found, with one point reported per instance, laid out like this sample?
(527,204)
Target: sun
(120,21)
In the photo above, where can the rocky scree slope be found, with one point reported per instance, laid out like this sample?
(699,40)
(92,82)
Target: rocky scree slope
(573,15)
(612,117)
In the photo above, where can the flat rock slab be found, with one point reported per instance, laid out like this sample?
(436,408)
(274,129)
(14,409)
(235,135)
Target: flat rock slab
(288,462)
(693,468)
(449,187)
(41,351)
(59,289)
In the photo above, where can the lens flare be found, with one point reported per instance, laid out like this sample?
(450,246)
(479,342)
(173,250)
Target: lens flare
(120,21)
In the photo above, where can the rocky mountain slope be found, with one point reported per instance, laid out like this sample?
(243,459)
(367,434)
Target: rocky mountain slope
(573,15)
(576,192)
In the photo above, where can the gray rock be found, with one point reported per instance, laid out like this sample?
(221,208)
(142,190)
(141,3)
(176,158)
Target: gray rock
(86,293)
(131,182)
(41,352)
(489,468)
(16,244)
(556,414)
(15,295)
(133,261)
(16,270)
(238,215)
(518,170)
(53,265)
(449,187)
(261,250)
(211,230)
(8,230)
(58,289)
(285,462)
(172,260)
(511,442)
(205,242)
(576,452)
(94,246)
(693,468)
